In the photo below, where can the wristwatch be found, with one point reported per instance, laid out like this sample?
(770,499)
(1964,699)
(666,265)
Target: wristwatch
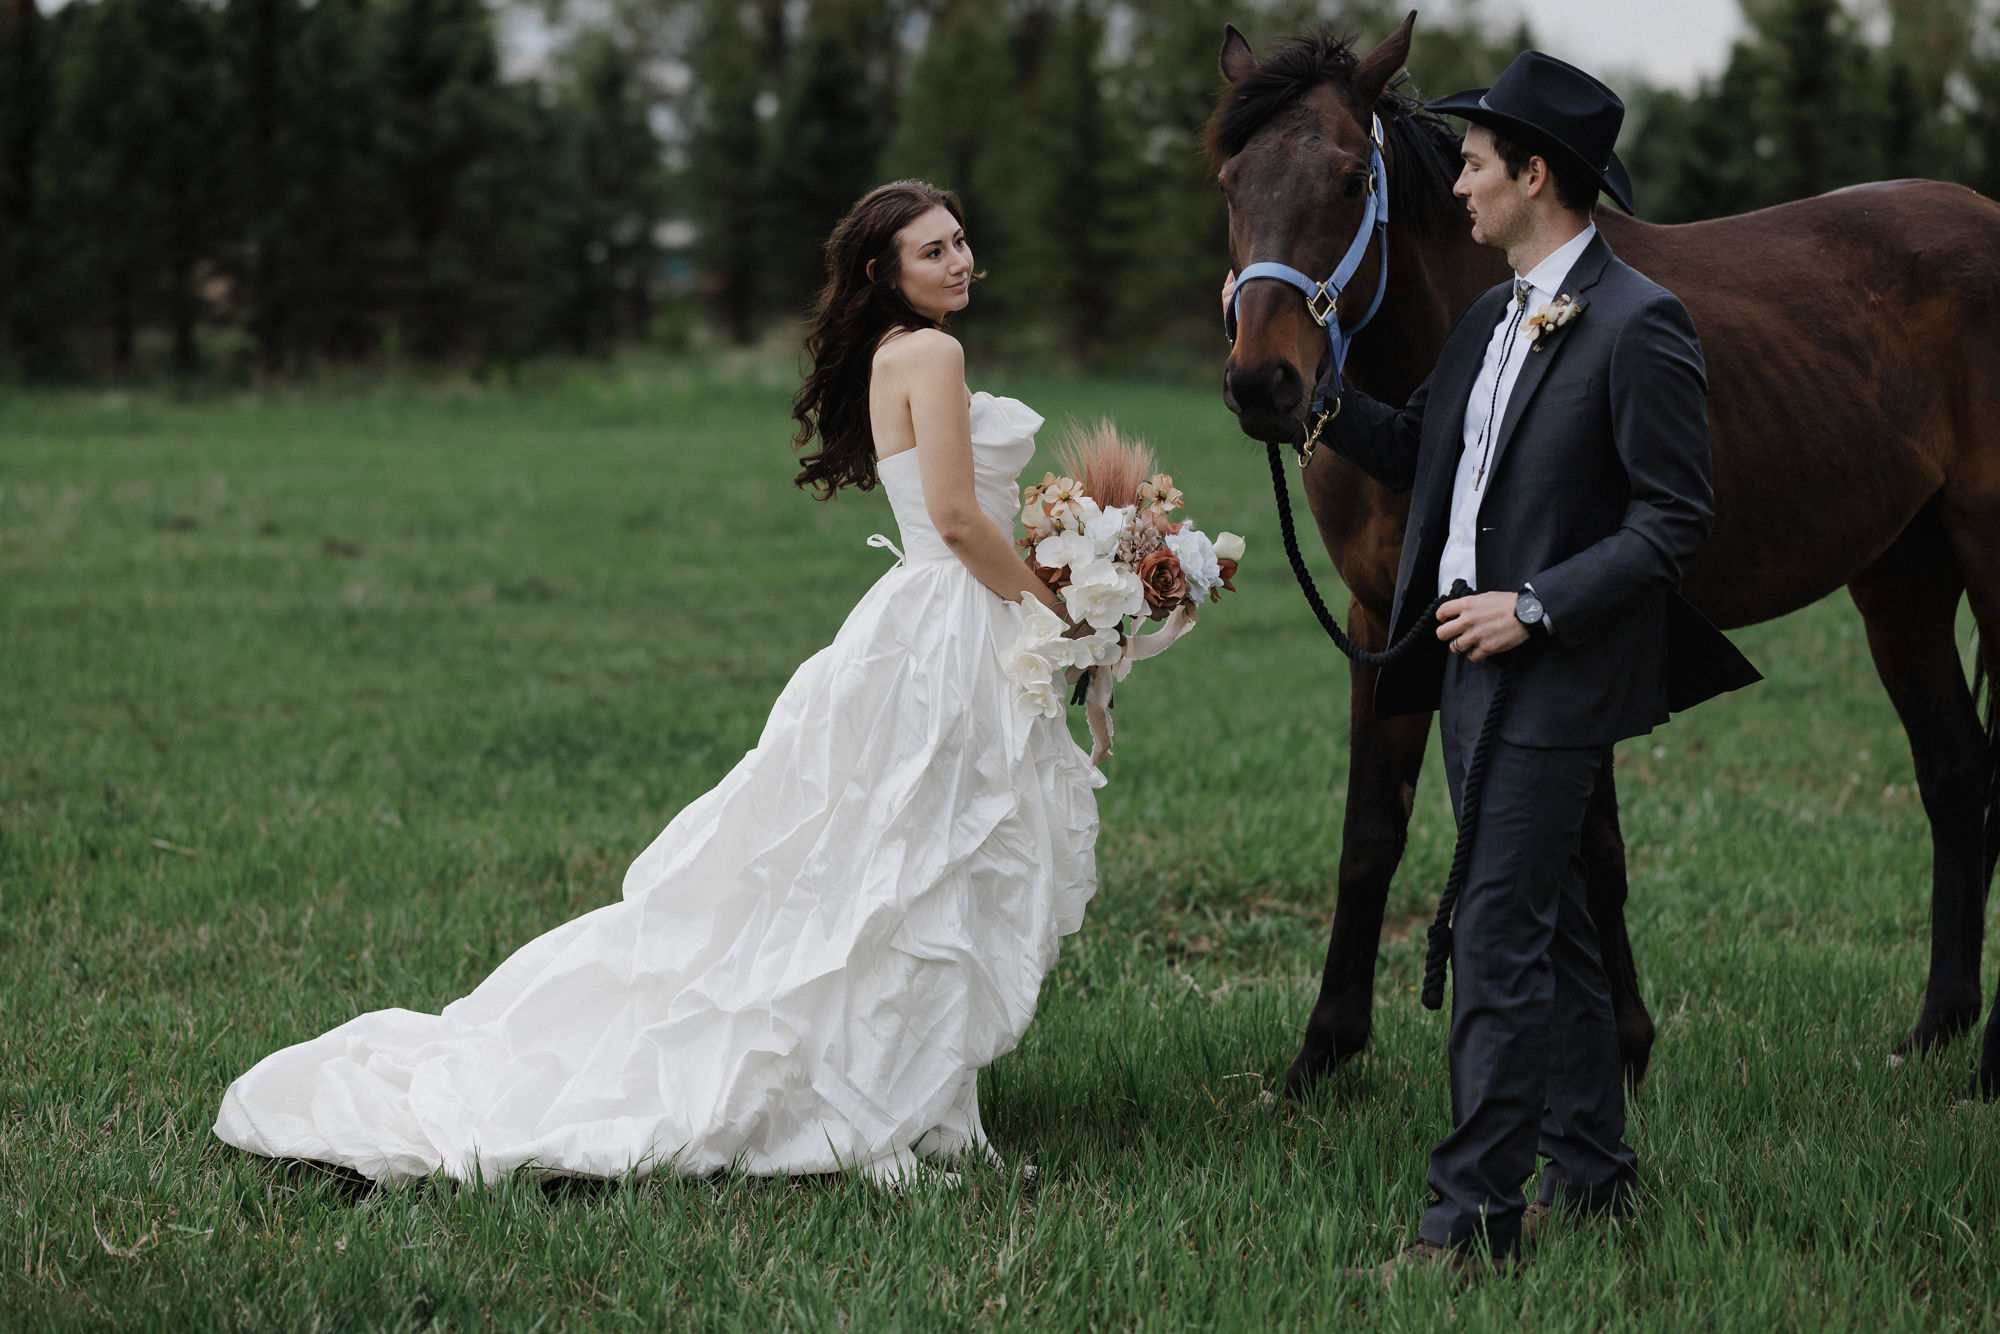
(1529,612)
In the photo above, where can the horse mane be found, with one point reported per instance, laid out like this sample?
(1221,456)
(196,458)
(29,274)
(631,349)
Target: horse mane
(1424,146)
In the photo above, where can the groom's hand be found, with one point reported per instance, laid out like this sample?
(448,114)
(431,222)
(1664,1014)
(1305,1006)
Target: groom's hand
(1228,290)
(1481,625)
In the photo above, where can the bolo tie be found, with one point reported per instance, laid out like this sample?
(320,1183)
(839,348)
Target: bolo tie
(1521,289)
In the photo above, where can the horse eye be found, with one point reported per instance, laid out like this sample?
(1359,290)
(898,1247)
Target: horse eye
(1355,185)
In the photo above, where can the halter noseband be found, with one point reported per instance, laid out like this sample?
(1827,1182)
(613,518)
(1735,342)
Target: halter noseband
(1323,298)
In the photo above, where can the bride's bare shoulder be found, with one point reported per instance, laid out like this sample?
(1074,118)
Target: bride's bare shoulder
(920,354)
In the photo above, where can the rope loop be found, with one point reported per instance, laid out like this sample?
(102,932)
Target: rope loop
(1437,953)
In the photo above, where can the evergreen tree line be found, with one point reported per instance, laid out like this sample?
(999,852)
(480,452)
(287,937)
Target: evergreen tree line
(1813,99)
(280,184)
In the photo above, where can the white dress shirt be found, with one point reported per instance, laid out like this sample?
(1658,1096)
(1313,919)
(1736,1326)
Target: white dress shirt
(1487,408)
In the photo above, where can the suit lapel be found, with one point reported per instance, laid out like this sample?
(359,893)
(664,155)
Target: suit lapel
(1582,276)
(1444,441)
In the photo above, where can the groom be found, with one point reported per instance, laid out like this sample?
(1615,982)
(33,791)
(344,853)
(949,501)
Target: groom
(1557,459)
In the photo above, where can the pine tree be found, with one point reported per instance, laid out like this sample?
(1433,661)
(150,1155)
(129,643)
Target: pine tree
(338,216)
(447,127)
(612,192)
(1084,170)
(260,41)
(822,145)
(25,334)
(732,67)
(135,130)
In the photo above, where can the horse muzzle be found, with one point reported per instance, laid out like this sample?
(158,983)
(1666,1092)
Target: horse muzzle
(1268,398)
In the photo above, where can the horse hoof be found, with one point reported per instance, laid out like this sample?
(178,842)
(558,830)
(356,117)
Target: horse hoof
(1306,1071)
(1934,1033)
(1300,1076)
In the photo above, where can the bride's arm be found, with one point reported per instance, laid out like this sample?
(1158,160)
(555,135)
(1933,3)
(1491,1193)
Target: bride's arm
(934,367)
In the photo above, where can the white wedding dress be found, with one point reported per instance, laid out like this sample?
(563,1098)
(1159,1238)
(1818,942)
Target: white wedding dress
(808,966)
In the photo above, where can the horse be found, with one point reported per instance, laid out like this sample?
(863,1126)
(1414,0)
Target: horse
(1851,341)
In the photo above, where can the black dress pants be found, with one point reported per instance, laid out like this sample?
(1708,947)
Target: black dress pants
(1534,1052)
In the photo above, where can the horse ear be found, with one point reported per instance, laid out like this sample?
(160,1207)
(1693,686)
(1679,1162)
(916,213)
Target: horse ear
(1237,58)
(1379,66)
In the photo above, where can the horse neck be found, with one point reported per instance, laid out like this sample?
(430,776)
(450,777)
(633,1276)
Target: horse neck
(1434,274)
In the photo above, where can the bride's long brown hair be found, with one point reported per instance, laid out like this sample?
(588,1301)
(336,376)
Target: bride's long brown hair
(849,317)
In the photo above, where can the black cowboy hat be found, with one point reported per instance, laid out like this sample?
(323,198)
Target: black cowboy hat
(1555,110)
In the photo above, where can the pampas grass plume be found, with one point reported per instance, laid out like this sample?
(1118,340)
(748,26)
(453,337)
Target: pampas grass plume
(1109,466)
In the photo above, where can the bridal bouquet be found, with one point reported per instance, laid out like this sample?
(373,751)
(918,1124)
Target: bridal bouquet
(1101,538)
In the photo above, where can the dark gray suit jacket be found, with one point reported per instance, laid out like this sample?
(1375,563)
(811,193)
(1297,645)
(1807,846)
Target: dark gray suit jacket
(1598,494)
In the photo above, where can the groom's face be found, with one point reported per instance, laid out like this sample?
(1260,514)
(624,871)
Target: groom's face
(1497,202)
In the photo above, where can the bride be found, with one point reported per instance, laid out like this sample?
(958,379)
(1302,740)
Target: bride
(811,963)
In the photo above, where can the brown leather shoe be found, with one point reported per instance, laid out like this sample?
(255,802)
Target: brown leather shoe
(1418,1256)
(1541,1220)
(1535,1221)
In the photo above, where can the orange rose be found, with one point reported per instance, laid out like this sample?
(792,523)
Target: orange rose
(1166,586)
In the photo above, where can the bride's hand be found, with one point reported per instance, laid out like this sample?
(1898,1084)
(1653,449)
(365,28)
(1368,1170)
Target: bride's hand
(1228,290)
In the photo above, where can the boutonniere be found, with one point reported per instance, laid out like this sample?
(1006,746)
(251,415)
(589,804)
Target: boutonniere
(1552,316)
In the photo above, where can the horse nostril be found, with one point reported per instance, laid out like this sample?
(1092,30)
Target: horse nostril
(1268,389)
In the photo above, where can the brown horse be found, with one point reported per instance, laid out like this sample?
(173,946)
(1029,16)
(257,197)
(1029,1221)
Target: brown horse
(1852,343)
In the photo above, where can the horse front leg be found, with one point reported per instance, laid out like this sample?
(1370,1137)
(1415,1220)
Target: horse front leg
(1384,757)
(1606,889)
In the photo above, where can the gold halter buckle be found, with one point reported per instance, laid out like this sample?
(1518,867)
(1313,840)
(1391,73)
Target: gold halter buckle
(1312,440)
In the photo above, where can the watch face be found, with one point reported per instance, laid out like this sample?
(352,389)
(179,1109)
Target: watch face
(1528,609)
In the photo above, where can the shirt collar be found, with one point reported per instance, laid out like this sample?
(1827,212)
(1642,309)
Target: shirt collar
(1548,275)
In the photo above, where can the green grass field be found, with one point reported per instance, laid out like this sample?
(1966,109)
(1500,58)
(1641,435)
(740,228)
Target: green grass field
(320,702)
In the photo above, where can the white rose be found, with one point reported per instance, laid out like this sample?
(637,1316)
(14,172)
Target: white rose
(1197,557)
(1103,593)
(1229,546)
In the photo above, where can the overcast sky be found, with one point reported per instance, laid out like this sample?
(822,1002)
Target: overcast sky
(1673,42)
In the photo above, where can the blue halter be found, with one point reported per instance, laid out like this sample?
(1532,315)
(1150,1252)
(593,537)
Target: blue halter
(1322,298)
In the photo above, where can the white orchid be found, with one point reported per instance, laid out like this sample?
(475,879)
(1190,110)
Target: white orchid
(1103,593)
(1025,666)
(1038,657)
(1065,549)
(1106,529)
(1198,563)
(1039,625)
(1100,648)
(1044,697)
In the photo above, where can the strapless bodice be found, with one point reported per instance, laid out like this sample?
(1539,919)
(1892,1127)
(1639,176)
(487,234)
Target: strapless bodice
(1003,440)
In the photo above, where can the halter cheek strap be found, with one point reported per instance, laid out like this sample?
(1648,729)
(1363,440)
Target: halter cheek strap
(1322,298)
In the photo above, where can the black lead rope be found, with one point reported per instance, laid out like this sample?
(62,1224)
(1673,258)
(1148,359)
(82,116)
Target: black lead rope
(1437,954)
